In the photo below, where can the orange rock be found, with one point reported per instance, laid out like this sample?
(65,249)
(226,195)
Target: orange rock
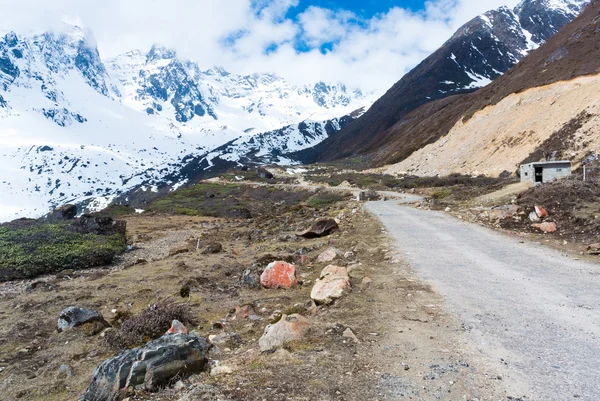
(279,275)
(541,212)
(177,328)
(546,227)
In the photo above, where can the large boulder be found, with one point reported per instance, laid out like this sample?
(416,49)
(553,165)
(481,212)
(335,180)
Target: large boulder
(334,282)
(320,228)
(287,329)
(74,317)
(151,366)
(263,173)
(279,275)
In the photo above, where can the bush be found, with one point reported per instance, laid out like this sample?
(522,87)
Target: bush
(323,199)
(30,248)
(149,325)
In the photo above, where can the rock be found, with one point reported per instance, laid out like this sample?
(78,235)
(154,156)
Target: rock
(328,255)
(547,227)
(279,275)
(334,270)
(263,173)
(534,217)
(65,370)
(366,196)
(64,212)
(366,281)
(504,212)
(593,249)
(321,228)
(505,174)
(217,369)
(348,333)
(333,283)
(225,340)
(243,312)
(178,250)
(447,210)
(88,224)
(177,328)
(287,329)
(250,279)
(213,248)
(151,366)
(302,259)
(541,212)
(204,392)
(74,316)
(349,255)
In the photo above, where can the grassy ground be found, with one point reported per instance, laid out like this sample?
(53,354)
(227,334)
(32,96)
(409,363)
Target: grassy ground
(30,248)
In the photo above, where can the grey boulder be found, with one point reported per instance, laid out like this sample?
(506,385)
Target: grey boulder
(74,316)
(150,366)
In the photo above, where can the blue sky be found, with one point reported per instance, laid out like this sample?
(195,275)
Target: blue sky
(364,8)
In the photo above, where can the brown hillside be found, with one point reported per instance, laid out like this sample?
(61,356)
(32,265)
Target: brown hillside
(573,52)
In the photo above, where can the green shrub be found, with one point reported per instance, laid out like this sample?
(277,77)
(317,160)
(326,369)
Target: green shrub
(33,248)
(323,199)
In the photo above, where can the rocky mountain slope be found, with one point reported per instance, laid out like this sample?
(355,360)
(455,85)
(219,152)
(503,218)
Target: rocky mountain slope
(73,127)
(478,53)
(546,107)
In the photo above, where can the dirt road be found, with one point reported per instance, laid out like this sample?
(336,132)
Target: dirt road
(528,310)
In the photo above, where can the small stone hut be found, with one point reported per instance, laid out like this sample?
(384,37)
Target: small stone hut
(541,172)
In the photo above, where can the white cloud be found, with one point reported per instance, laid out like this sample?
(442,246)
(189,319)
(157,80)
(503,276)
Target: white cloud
(249,36)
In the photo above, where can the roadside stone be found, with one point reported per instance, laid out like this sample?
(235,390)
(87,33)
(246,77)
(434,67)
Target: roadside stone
(320,228)
(332,285)
(328,255)
(533,217)
(74,316)
(263,173)
(547,227)
(279,275)
(541,212)
(348,333)
(593,249)
(287,329)
(151,366)
(177,328)
(349,255)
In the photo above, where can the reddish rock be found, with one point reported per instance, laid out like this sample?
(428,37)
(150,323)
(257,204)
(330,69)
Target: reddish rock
(279,275)
(177,328)
(541,212)
(333,270)
(545,227)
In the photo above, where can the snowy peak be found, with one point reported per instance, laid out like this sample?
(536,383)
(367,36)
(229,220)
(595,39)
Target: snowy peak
(479,52)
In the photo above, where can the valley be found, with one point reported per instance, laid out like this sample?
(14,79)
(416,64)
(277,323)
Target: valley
(175,230)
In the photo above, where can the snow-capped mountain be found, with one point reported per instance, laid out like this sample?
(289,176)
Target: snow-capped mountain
(479,52)
(73,127)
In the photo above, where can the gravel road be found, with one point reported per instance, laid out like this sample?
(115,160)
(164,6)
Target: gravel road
(528,309)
